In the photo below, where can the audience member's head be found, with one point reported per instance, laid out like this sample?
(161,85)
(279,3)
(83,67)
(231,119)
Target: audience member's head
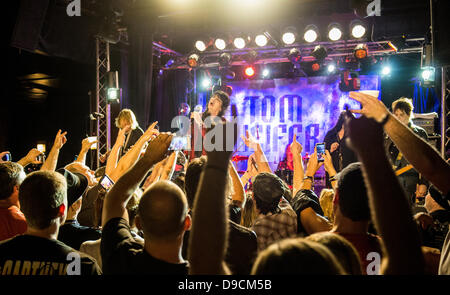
(11,177)
(297,256)
(163,212)
(403,109)
(326,203)
(267,192)
(344,251)
(192,178)
(351,194)
(43,199)
(435,201)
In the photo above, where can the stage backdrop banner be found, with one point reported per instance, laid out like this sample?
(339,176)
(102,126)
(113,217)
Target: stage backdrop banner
(273,110)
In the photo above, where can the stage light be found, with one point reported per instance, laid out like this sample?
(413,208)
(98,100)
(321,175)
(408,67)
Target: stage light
(239,42)
(319,52)
(311,33)
(169,63)
(200,45)
(294,56)
(334,32)
(289,36)
(331,68)
(249,71)
(315,66)
(265,73)
(357,29)
(220,44)
(261,40)
(224,59)
(113,95)
(386,70)
(360,51)
(193,60)
(251,57)
(428,76)
(206,82)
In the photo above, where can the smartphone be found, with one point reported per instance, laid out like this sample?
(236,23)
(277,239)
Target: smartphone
(320,148)
(179,143)
(41,147)
(92,139)
(7,157)
(106,182)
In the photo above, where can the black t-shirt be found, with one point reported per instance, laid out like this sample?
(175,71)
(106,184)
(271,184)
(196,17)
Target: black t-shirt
(121,254)
(434,235)
(73,234)
(235,212)
(31,255)
(305,199)
(132,137)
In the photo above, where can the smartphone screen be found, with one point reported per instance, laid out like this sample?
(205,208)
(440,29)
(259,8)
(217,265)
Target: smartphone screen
(41,147)
(7,157)
(179,143)
(320,147)
(92,139)
(106,182)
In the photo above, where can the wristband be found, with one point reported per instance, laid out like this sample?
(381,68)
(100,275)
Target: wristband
(309,177)
(333,178)
(385,119)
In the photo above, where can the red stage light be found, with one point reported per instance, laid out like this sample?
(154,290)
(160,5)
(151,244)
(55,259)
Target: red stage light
(315,67)
(249,71)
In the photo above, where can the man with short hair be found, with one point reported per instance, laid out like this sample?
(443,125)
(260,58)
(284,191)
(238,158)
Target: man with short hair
(352,212)
(12,220)
(43,200)
(402,109)
(276,219)
(162,214)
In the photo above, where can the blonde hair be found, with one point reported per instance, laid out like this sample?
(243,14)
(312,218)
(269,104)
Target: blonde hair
(326,203)
(249,213)
(128,116)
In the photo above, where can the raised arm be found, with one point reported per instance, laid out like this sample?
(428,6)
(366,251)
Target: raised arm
(117,198)
(419,153)
(260,157)
(111,163)
(252,170)
(238,188)
(328,164)
(52,159)
(296,150)
(130,158)
(30,158)
(390,208)
(208,238)
(169,167)
(85,146)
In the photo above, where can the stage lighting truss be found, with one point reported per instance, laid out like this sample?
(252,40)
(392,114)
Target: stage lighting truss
(319,53)
(224,59)
(335,32)
(295,56)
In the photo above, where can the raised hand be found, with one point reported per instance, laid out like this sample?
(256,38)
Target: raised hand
(120,140)
(158,147)
(313,164)
(371,106)
(86,144)
(150,132)
(296,147)
(60,139)
(364,134)
(328,163)
(249,140)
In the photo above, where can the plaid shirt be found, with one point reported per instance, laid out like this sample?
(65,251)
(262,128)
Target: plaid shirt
(271,228)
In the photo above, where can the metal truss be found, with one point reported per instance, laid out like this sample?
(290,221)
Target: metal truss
(103,123)
(445,112)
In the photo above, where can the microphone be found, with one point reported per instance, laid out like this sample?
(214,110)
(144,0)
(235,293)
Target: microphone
(198,108)
(96,115)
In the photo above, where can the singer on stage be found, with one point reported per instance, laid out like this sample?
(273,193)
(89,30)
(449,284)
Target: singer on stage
(217,105)
(127,118)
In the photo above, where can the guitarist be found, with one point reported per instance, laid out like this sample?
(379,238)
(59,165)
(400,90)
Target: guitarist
(402,108)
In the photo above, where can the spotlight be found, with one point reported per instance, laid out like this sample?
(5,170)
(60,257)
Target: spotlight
(265,73)
(289,36)
(193,60)
(319,52)
(251,57)
(200,45)
(227,73)
(428,76)
(249,71)
(113,95)
(261,40)
(169,63)
(220,44)
(360,51)
(315,66)
(311,33)
(206,83)
(294,56)
(224,59)
(386,70)
(357,29)
(334,32)
(239,42)
(331,68)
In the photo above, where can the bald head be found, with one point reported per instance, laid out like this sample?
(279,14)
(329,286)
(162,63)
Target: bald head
(162,211)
